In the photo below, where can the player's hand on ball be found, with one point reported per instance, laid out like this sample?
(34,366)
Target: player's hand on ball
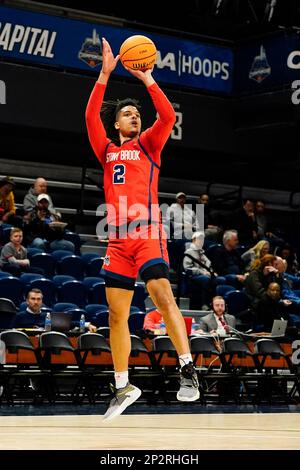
(109,62)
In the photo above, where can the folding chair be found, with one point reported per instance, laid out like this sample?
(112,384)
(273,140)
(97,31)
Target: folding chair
(207,355)
(271,359)
(144,371)
(167,359)
(7,305)
(241,363)
(21,367)
(95,362)
(60,358)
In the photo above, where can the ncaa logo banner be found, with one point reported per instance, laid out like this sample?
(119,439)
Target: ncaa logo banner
(71,44)
(268,62)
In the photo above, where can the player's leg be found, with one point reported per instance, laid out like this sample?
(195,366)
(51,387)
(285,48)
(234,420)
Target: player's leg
(161,294)
(152,260)
(119,301)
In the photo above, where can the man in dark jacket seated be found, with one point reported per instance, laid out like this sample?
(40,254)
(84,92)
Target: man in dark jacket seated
(34,316)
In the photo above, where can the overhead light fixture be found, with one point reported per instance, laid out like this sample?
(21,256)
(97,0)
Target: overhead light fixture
(218,4)
(269,10)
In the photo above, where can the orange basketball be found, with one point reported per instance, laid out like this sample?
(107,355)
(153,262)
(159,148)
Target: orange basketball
(138,53)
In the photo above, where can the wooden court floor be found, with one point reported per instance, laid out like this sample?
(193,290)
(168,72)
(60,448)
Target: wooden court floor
(156,431)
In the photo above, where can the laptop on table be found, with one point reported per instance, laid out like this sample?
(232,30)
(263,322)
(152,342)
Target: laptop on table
(279,327)
(61,321)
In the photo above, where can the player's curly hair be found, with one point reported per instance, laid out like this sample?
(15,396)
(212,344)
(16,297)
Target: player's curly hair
(109,113)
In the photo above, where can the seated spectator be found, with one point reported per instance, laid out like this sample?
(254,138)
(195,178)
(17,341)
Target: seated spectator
(30,199)
(152,320)
(264,230)
(40,230)
(271,307)
(218,321)
(256,284)
(199,269)
(211,225)
(286,285)
(34,317)
(244,220)
(287,252)
(250,256)
(181,223)
(14,256)
(7,203)
(227,261)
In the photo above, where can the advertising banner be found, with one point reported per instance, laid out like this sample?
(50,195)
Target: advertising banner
(71,44)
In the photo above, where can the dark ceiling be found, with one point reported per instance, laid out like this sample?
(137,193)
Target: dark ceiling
(222,19)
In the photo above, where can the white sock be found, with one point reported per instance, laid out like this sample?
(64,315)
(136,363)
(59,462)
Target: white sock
(185,359)
(121,379)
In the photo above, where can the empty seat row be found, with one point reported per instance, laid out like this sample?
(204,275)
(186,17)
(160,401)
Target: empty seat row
(90,290)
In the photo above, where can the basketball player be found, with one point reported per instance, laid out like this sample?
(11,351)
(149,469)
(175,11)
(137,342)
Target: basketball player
(131,163)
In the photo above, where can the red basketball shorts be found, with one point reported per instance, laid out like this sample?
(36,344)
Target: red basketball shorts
(125,257)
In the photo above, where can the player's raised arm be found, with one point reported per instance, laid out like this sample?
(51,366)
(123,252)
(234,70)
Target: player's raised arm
(109,62)
(96,131)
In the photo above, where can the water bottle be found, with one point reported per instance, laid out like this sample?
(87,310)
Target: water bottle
(2,354)
(48,321)
(195,326)
(82,324)
(163,328)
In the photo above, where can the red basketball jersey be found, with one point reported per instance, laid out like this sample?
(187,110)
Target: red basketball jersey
(130,170)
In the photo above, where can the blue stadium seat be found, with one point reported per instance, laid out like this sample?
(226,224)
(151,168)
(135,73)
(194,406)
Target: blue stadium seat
(96,294)
(237,301)
(7,320)
(224,289)
(139,297)
(136,322)
(92,309)
(27,278)
(33,251)
(64,306)
(89,282)
(59,254)
(101,319)
(133,308)
(72,291)
(59,279)
(45,262)
(4,275)
(5,233)
(71,265)
(87,257)
(93,268)
(12,288)
(7,305)
(75,239)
